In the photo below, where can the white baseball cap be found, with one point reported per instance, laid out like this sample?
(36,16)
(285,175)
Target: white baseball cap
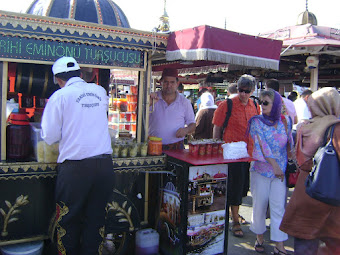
(64,65)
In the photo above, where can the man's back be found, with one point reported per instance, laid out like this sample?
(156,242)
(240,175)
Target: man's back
(78,114)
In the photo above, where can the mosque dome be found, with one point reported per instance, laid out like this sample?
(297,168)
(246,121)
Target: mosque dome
(307,17)
(104,12)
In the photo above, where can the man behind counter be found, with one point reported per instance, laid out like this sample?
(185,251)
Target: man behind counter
(171,116)
(76,117)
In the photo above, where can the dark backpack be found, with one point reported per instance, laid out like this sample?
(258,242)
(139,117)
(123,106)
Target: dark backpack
(228,114)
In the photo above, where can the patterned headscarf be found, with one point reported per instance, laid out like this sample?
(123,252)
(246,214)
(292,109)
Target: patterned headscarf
(275,113)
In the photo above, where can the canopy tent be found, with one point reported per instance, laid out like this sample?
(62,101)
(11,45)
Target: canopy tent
(307,39)
(300,41)
(206,45)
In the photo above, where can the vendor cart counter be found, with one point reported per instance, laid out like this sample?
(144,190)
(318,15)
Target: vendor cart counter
(27,195)
(192,216)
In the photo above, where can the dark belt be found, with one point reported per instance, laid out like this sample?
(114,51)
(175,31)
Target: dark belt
(174,146)
(100,156)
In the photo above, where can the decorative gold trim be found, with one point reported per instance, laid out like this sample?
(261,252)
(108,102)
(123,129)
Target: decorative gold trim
(48,10)
(73,9)
(26,166)
(98,10)
(25,176)
(102,234)
(125,216)
(12,209)
(72,26)
(24,240)
(61,212)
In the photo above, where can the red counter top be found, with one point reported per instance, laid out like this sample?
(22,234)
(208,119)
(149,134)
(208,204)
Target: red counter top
(202,160)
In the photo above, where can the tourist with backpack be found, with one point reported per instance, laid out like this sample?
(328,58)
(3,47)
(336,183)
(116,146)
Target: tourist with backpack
(230,124)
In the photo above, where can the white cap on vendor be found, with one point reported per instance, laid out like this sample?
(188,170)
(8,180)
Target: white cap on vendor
(64,65)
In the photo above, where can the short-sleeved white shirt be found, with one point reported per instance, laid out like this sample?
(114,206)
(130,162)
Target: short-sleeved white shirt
(76,117)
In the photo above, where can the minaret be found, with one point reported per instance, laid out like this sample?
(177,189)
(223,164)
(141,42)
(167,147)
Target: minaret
(164,26)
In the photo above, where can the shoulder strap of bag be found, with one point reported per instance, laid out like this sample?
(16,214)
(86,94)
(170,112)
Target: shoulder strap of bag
(228,114)
(290,153)
(255,103)
(329,132)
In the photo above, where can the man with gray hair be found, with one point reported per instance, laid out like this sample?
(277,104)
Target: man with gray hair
(242,109)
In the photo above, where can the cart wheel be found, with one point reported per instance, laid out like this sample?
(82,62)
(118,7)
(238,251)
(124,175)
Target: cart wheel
(117,243)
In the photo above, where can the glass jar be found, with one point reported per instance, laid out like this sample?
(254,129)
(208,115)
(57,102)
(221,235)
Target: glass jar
(155,148)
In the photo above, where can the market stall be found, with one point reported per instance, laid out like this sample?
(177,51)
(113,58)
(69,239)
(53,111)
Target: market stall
(29,45)
(193,217)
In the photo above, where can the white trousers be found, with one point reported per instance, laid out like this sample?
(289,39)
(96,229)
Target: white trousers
(265,189)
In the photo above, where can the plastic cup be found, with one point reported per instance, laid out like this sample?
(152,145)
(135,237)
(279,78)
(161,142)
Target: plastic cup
(122,118)
(128,117)
(193,148)
(133,89)
(208,149)
(132,107)
(133,117)
(202,149)
(215,149)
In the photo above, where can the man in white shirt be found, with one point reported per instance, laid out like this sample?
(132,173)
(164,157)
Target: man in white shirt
(76,117)
(301,107)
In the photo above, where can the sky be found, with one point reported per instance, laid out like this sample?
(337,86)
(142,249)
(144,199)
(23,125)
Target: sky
(243,16)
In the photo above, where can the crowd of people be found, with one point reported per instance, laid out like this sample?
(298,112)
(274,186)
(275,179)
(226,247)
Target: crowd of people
(266,126)
(275,129)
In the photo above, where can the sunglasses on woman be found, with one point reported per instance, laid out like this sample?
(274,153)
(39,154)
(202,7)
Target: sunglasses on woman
(265,103)
(244,90)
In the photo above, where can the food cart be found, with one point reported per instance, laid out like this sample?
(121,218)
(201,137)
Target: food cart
(192,215)
(29,45)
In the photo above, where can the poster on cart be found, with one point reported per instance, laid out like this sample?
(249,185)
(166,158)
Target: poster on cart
(206,209)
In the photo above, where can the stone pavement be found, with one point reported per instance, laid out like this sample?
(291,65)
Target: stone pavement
(245,245)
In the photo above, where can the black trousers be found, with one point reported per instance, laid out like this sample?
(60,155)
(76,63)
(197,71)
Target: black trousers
(82,190)
(238,182)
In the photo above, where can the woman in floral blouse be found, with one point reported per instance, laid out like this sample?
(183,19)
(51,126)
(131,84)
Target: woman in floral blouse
(271,132)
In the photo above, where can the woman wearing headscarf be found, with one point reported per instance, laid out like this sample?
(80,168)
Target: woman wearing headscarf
(204,116)
(307,219)
(271,133)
